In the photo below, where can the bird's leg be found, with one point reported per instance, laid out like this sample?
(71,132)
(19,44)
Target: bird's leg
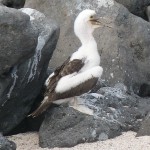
(73,102)
(80,106)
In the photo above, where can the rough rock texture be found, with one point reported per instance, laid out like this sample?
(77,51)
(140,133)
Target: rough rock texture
(114,111)
(145,127)
(124,50)
(6,144)
(22,85)
(13,3)
(18,39)
(148,12)
(30,123)
(137,7)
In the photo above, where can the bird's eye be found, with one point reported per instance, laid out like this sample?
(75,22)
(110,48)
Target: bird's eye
(91,17)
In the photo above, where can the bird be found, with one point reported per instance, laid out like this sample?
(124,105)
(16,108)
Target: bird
(81,71)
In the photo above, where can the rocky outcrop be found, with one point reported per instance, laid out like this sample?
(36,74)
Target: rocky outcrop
(124,49)
(6,144)
(114,111)
(13,3)
(23,82)
(136,7)
(18,38)
(145,127)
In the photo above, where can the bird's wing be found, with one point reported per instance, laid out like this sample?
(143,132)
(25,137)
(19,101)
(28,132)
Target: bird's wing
(68,67)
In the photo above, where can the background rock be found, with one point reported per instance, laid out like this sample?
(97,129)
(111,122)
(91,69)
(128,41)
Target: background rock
(114,110)
(6,144)
(145,127)
(137,7)
(13,3)
(22,85)
(148,12)
(124,50)
(18,38)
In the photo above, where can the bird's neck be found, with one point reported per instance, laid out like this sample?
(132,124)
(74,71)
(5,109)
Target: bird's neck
(88,41)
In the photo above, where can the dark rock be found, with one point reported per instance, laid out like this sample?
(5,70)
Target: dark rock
(13,3)
(27,125)
(144,90)
(66,127)
(114,111)
(18,39)
(30,123)
(23,84)
(145,127)
(148,13)
(124,49)
(6,144)
(137,7)
(100,83)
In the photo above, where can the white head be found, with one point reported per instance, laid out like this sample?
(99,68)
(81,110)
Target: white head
(85,23)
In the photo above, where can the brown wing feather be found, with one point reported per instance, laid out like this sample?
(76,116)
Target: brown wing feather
(67,68)
(54,79)
(44,105)
(78,90)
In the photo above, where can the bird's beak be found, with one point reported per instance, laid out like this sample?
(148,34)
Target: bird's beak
(97,22)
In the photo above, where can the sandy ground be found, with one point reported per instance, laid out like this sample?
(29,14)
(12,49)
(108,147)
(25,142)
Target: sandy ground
(127,141)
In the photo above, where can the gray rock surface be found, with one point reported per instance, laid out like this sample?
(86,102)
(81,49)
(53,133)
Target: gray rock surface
(124,50)
(148,13)
(22,85)
(5,144)
(18,39)
(145,127)
(114,111)
(13,3)
(137,7)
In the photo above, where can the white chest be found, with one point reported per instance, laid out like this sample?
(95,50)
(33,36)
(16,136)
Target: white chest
(91,62)
(91,59)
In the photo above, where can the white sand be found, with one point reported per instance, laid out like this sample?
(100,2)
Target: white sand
(127,141)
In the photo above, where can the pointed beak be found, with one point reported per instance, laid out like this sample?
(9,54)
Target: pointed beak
(96,21)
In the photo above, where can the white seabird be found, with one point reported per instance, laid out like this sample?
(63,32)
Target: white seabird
(80,72)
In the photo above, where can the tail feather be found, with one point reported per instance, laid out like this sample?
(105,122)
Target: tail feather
(44,105)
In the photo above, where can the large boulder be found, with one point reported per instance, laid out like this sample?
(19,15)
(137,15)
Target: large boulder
(22,84)
(124,50)
(18,39)
(114,111)
(13,3)
(137,7)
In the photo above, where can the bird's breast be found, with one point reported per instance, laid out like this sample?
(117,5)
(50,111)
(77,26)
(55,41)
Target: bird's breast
(90,62)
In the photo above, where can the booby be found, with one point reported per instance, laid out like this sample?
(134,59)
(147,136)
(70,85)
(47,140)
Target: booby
(80,72)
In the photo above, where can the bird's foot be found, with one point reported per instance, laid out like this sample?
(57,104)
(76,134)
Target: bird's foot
(79,105)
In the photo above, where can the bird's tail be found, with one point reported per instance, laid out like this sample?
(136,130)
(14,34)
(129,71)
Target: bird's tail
(44,105)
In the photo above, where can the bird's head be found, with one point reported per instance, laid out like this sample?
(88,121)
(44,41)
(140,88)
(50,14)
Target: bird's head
(86,21)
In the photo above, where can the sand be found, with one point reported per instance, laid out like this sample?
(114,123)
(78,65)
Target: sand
(127,141)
